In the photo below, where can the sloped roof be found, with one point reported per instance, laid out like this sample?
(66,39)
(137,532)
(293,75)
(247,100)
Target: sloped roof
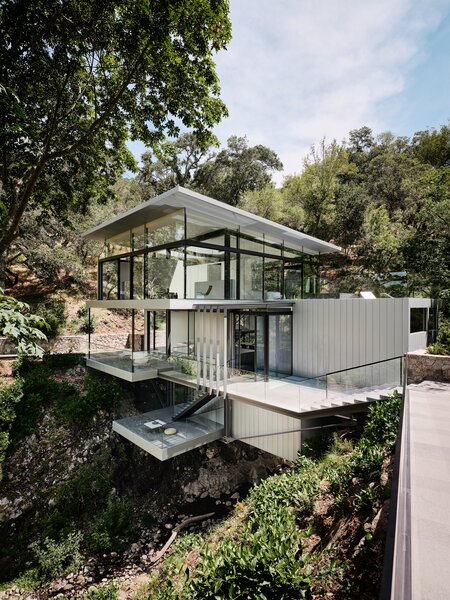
(226,217)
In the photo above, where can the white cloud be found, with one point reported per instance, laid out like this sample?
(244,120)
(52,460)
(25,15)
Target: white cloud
(297,70)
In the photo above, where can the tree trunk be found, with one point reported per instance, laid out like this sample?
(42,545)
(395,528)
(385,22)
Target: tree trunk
(3,270)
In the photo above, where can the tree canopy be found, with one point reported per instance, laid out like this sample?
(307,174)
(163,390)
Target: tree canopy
(80,77)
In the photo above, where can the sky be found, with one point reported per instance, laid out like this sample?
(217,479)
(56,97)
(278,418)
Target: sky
(300,70)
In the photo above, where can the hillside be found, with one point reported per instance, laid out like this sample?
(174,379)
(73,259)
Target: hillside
(80,507)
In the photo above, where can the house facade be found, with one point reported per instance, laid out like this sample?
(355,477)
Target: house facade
(226,316)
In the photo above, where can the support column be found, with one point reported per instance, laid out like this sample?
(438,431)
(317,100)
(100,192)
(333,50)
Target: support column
(218,351)
(197,338)
(211,346)
(132,340)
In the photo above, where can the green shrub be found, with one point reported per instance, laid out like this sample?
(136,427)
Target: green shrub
(366,498)
(87,490)
(54,313)
(63,361)
(108,592)
(296,489)
(112,523)
(86,326)
(382,423)
(10,397)
(442,345)
(58,558)
(265,562)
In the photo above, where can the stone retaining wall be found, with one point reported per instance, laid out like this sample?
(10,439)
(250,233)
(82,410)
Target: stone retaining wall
(431,367)
(79,343)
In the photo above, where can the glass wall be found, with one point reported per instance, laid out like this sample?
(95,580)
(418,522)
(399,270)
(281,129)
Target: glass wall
(138,277)
(273,279)
(165,274)
(219,264)
(205,273)
(119,244)
(125,278)
(110,280)
(251,277)
(165,230)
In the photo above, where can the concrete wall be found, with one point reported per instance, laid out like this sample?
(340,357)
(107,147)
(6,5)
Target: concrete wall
(75,343)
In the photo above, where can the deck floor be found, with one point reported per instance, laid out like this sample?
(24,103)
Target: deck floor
(190,433)
(430,489)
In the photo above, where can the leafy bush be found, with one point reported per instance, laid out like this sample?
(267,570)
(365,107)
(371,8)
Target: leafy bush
(382,423)
(10,396)
(100,394)
(58,558)
(296,489)
(108,592)
(366,498)
(54,314)
(112,523)
(442,345)
(61,361)
(265,562)
(86,326)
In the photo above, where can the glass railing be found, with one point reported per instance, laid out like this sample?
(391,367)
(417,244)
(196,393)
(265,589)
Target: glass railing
(296,394)
(120,358)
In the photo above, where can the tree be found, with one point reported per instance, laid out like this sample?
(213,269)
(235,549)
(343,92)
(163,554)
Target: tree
(51,246)
(172,163)
(382,241)
(433,146)
(317,186)
(235,170)
(22,327)
(80,77)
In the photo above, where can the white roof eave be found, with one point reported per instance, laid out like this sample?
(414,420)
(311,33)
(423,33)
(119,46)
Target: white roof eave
(230,216)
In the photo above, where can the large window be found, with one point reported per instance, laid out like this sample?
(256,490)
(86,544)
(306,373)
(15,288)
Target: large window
(205,273)
(109,280)
(273,274)
(138,277)
(166,230)
(119,244)
(125,278)
(165,274)
(251,277)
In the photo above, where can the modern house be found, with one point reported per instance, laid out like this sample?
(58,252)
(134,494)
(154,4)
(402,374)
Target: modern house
(226,316)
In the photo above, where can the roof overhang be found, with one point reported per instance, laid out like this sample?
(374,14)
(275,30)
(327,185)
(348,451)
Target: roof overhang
(226,216)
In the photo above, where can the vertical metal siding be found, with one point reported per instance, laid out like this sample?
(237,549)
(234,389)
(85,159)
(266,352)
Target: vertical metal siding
(249,420)
(331,335)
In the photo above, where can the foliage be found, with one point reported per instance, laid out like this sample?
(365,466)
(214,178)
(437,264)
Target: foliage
(87,325)
(442,344)
(54,314)
(10,396)
(22,327)
(172,163)
(82,78)
(58,558)
(235,170)
(107,592)
(382,423)
(110,525)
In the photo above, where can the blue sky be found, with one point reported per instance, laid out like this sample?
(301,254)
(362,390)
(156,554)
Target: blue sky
(298,70)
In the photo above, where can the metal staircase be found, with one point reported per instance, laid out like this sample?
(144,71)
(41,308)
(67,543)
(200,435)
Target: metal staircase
(200,399)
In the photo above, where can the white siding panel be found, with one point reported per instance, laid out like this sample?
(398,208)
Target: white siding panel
(249,421)
(332,335)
